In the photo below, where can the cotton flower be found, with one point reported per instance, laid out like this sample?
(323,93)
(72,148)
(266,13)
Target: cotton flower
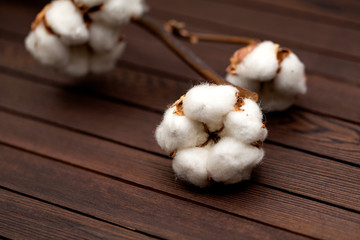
(276,74)
(81,36)
(213,134)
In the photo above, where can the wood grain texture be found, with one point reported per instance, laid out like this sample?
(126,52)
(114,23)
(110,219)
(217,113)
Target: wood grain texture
(123,204)
(299,31)
(121,82)
(125,124)
(296,172)
(217,55)
(346,13)
(78,158)
(25,218)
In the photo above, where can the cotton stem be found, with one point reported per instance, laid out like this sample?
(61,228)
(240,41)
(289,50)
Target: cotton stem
(178,29)
(186,55)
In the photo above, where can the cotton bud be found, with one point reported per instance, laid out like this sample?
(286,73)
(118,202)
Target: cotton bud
(213,133)
(70,36)
(46,47)
(66,20)
(276,74)
(119,12)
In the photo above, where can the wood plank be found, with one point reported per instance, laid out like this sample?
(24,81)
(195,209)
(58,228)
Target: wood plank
(249,200)
(283,168)
(125,124)
(25,218)
(345,12)
(154,54)
(121,82)
(301,31)
(123,204)
(217,55)
(321,135)
(309,33)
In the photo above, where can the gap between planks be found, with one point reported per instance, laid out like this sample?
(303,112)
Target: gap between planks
(164,157)
(273,119)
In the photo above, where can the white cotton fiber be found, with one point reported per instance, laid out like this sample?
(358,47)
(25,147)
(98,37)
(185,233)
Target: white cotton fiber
(178,132)
(78,64)
(232,161)
(105,61)
(46,47)
(119,12)
(209,104)
(89,3)
(103,37)
(291,79)
(251,85)
(276,74)
(246,125)
(81,36)
(260,64)
(66,20)
(272,101)
(224,154)
(190,165)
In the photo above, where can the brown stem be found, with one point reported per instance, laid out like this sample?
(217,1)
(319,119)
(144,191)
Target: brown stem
(178,29)
(186,55)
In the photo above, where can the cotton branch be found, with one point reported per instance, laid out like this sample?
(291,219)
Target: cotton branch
(185,54)
(178,29)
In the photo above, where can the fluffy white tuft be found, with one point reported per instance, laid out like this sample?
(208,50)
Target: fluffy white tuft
(119,12)
(46,47)
(260,64)
(105,61)
(243,83)
(103,37)
(190,165)
(272,100)
(178,132)
(232,161)
(209,104)
(67,21)
(246,125)
(291,79)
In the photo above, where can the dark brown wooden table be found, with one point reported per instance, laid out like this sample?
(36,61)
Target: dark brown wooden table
(78,159)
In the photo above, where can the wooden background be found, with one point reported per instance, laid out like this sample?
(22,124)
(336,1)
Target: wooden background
(78,159)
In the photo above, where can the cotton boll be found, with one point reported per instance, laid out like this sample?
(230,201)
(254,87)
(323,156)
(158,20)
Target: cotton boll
(119,12)
(79,61)
(177,132)
(103,37)
(243,83)
(231,161)
(88,3)
(246,125)
(291,79)
(190,165)
(46,48)
(66,20)
(209,104)
(105,61)
(260,64)
(271,100)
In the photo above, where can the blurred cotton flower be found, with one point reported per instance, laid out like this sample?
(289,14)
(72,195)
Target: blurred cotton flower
(81,36)
(276,74)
